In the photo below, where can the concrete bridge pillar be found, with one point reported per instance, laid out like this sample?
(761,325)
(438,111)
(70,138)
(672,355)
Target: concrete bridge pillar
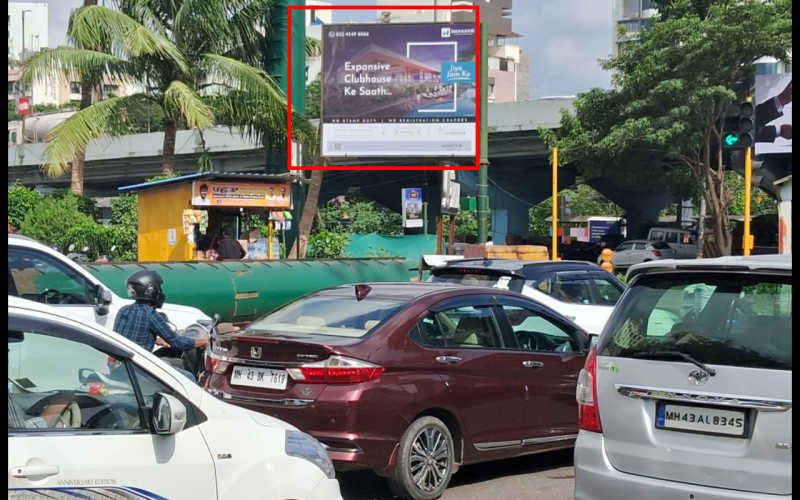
(510,216)
(641,208)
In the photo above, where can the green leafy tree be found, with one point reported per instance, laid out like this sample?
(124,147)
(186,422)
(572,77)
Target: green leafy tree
(21,201)
(662,124)
(53,218)
(326,244)
(175,50)
(314,100)
(359,215)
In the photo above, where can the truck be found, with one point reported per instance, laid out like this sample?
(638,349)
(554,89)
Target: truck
(35,127)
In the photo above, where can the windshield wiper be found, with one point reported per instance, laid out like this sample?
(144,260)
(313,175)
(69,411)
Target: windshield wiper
(675,355)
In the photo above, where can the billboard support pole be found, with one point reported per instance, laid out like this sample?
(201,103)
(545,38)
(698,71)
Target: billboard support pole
(554,243)
(748,192)
(483,172)
(277,65)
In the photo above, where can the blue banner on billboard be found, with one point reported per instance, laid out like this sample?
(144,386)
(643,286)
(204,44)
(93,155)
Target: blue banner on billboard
(458,72)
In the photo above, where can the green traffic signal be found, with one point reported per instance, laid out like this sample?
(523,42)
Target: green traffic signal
(730,139)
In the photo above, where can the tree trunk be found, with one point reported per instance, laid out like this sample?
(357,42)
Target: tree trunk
(77,169)
(168,149)
(309,213)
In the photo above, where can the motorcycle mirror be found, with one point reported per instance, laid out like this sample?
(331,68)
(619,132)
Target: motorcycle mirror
(113,248)
(85,249)
(215,321)
(71,247)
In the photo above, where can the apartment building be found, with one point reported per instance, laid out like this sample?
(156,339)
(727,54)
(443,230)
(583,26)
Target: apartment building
(509,66)
(315,18)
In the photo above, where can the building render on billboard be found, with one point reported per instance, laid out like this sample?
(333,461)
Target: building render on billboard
(509,65)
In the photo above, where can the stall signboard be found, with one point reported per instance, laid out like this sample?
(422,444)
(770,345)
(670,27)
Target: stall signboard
(241,195)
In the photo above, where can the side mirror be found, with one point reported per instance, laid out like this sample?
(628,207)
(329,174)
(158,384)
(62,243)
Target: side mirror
(104,298)
(169,414)
(593,338)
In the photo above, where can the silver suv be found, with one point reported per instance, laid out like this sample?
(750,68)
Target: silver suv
(688,392)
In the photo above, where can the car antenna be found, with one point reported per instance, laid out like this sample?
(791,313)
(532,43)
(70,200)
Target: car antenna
(362,291)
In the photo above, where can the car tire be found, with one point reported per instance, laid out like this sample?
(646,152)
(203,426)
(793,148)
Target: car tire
(434,441)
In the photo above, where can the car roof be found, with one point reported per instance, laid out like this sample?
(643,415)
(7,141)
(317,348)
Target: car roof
(407,291)
(529,269)
(20,237)
(641,241)
(750,263)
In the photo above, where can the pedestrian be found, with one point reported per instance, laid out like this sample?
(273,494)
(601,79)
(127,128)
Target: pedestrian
(229,248)
(142,324)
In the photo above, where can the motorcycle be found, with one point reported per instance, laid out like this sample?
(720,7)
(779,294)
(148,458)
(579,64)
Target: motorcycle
(79,257)
(193,361)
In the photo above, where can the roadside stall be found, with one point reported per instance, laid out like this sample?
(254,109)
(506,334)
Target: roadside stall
(183,218)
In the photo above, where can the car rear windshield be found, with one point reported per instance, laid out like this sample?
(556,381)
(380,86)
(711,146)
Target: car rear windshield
(475,277)
(727,319)
(334,316)
(660,245)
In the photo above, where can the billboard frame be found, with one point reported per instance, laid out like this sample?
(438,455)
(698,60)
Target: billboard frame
(478,100)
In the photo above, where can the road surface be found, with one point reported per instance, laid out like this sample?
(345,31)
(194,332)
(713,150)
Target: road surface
(547,476)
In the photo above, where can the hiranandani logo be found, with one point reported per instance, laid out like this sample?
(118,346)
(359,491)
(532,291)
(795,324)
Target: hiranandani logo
(445,32)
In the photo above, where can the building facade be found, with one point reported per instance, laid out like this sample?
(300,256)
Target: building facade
(315,18)
(509,66)
(35,29)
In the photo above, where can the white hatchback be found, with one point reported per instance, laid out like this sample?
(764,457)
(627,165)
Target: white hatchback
(93,415)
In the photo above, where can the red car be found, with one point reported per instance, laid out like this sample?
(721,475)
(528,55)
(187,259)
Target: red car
(410,380)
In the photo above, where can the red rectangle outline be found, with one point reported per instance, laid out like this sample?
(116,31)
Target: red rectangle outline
(476,8)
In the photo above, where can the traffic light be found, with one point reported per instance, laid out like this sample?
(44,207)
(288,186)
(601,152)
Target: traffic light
(745,136)
(564,212)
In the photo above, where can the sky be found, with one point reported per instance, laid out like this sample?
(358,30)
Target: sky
(564,39)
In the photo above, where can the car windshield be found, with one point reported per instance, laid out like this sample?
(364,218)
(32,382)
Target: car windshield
(728,319)
(334,316)
(660,245)
(471,277)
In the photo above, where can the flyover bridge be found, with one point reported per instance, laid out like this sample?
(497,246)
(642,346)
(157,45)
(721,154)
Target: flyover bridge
(519,171)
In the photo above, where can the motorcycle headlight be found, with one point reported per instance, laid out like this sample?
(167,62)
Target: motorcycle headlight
(301,445)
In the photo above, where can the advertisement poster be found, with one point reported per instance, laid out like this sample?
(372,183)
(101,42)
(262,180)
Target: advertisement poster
(773,114)
(399,90)
(238,194)
(412,208)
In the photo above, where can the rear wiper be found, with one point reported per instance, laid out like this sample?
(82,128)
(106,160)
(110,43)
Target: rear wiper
(675,355)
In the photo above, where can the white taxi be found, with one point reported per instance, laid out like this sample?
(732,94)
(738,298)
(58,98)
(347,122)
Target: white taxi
(92,415)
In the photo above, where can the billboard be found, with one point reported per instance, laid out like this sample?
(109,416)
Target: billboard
(412,208)
(773,114)
(399,90)
(241,195)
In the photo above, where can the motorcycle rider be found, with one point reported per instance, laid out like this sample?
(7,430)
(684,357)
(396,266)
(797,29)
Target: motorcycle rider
(141,323)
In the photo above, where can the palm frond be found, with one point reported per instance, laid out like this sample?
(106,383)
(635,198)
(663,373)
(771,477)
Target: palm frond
(72,62)
(180,98)
(104,118)
(313,47)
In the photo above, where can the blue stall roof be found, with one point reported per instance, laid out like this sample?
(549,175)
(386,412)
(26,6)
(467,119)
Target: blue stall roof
(286,178)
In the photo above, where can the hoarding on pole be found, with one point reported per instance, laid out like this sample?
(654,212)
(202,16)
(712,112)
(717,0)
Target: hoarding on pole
(399,90)
(773,114)
(412,208)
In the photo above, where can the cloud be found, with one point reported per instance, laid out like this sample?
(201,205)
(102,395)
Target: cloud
(564,39)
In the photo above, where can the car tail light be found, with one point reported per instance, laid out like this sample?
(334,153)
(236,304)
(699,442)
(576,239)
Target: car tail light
(588,413)
(336,370)
(656,253)
(215,364)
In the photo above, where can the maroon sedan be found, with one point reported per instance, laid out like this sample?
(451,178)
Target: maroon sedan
(410,380)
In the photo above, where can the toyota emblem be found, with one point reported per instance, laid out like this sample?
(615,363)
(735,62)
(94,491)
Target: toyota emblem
(698,377)
(255,352)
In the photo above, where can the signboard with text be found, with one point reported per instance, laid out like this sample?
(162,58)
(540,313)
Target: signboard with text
(23,106)
(773,114)
(412,208)
(399,90)
(241,195)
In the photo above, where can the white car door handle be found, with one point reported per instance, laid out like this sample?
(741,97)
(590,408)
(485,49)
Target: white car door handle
(532,364)
(448,360)
(34,471)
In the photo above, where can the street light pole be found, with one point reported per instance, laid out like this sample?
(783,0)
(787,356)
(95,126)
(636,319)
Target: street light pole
(483,127)
(22,82)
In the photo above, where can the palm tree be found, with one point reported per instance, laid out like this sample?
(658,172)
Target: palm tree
(175,51)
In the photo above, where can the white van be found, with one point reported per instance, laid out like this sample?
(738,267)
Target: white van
(39,273)
(680,240)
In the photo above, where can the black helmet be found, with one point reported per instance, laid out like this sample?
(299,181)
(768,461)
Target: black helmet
(145,286)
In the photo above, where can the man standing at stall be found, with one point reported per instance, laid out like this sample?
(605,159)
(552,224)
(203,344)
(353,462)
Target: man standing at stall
(229,248)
